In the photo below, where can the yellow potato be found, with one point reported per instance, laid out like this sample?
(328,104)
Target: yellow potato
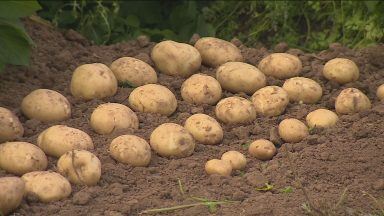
(281,65)
(218,167)
(341,70)
(262,149)
(321,118)
(352,100)
(10,126)
(204,129)
(237,160)
(132,150)
(235,110)
(292,130)
(270,100)
(11,194)
(380,92)
(201,89)
(303,90)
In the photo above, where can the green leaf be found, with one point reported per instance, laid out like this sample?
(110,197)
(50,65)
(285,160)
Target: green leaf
(2,66)
(17,9)
(287,189)
(132,21)
(267,187)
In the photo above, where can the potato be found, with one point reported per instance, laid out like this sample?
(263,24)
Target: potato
(47,186)
(10,126)
(93,81)
(237,160)
(201,89)
(352,100)
(21,157)
(172,140)
(81,167)
(204,129)
(321,118)
(216,52)
(240,77)
(59,139)
(262,149)
(380,92)
(153,98)
(110,117)
(292,130)
(218,167)
(280,65)
(341,70)
(176,59)
(235,110)
(133,71)
(270,100)
(11,194)
(46,105)
(303,90)
(130,149)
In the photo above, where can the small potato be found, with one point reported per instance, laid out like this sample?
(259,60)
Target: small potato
(46,105)
(10,126)
(81,167)
(172,140)
(176,59)
(93,81)
(292,130)
(21,157)
(380,92)
(303,90)
(262,149)
(237,160)
(132,150)
(110,117)
(59,139)
(240,77)
(153,98)
(270,100)
(204,129)
(281,65)
(218,167)
(341,70)
(201,89)
(11,194)
(216,52)
(321,118)
(47,186)
(235,110)
(133,71)
(352,100)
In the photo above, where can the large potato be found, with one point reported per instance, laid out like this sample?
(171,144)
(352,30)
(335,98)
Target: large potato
(321,118)
(59,139)
(218,167)
(201,89)
(292,130)
(341,70)
(91,81)
(21,157)
(10,126)
(133,71)
(262,149)
(352,100)
(238,160)
(204,129)
(235,110)
(46,105)
(153,98)
(172,140)
(130,149)
(216,52)
(11,194)
(240,77)
(176,59)
(270,100)
(380,92)
(281,65)
(110,117)
(303,90)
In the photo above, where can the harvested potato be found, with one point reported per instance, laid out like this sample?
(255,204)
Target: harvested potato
(133,72)
(21,157)
(130,149)
(11,194)
(218,167)
(110,117)
(204,129)
(321,118)
(240,77)
(237,160)
(47,186)
(235,110)
(303,90)
(176,59)
(341,70)
(59,139)
(172,140)
(91,81)
(10,126)
(81,167)
(46,105)
(352,100)
(262,149)
(280,65)
(292,130)
(270,100)
(380,92)
(153,98)
(216,52)
(201,89)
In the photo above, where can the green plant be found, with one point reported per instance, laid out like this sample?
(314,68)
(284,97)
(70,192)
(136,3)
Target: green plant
(267,187)
(287,189)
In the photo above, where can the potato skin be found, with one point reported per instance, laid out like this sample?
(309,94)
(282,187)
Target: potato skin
(235,110)
(292,130)
(176,59)
(380,92)
(201,89)
(321,118)
(301,89)
(11,194)
(218,167)
(262,149)
(352,100)
(46,105)
(237,160)
(270,100)
(204,129)
(281,65)
(341,70)
(130,149)
(21,157)
(10,126)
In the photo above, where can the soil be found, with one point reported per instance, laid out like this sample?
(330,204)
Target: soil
(318,169)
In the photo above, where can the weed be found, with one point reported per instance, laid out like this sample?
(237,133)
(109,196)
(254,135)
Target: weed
(245,146)
(379,205)
(287,189)
(267,187)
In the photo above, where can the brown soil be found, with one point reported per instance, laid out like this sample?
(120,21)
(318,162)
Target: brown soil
(351,155)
